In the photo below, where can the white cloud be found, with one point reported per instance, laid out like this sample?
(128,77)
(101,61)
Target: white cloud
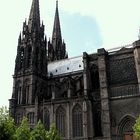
(118,19)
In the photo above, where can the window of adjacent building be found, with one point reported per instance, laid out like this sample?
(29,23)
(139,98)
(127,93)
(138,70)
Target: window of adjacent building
(47,120)
(30,117)
(60,121)
(77,121)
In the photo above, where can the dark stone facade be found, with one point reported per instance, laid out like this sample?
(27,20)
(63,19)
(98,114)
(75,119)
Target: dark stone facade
(91,97)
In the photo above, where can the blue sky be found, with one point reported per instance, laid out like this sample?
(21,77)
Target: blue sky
(86,26)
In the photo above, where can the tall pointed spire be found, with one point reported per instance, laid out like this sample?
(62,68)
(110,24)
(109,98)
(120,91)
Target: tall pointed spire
(56,48)
(33,54)
(34,18)
(56,28)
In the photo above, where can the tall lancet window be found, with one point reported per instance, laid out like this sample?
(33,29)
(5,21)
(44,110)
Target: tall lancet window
(60,121)
(77,121)
(47,119)
(19,93)
(27,88)
(26,93)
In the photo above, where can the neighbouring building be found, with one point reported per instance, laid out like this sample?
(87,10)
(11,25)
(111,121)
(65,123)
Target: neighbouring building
(89,97)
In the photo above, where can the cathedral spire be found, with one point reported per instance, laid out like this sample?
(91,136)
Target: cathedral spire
(34,18)
(31,54)
(56,48)
(56,28)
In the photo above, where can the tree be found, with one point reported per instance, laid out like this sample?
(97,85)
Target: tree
(53,134)
(136,128)
(23,132)
(4,113)
(8,129)
(7,125)
(39,132)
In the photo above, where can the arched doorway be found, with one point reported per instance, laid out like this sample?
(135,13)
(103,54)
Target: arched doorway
(125,130)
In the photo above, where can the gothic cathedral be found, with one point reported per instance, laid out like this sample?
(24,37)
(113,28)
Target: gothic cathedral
(89,97)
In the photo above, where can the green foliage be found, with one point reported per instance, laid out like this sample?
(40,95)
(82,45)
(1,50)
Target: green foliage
(39,132)
(53,134)
(7,126)
(23,132)
(9,131)
(136,128)
(4,113)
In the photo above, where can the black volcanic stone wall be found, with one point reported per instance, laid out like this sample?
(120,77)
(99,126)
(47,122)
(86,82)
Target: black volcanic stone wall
(121,71)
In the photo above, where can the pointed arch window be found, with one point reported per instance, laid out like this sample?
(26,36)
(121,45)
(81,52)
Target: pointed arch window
(60,121)
(125,127)
(26,92)
(19,95)
(77,121)
(47,119)
(27,89)
(18,91)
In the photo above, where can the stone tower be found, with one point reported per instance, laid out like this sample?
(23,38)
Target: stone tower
(56,47)
(30,65)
